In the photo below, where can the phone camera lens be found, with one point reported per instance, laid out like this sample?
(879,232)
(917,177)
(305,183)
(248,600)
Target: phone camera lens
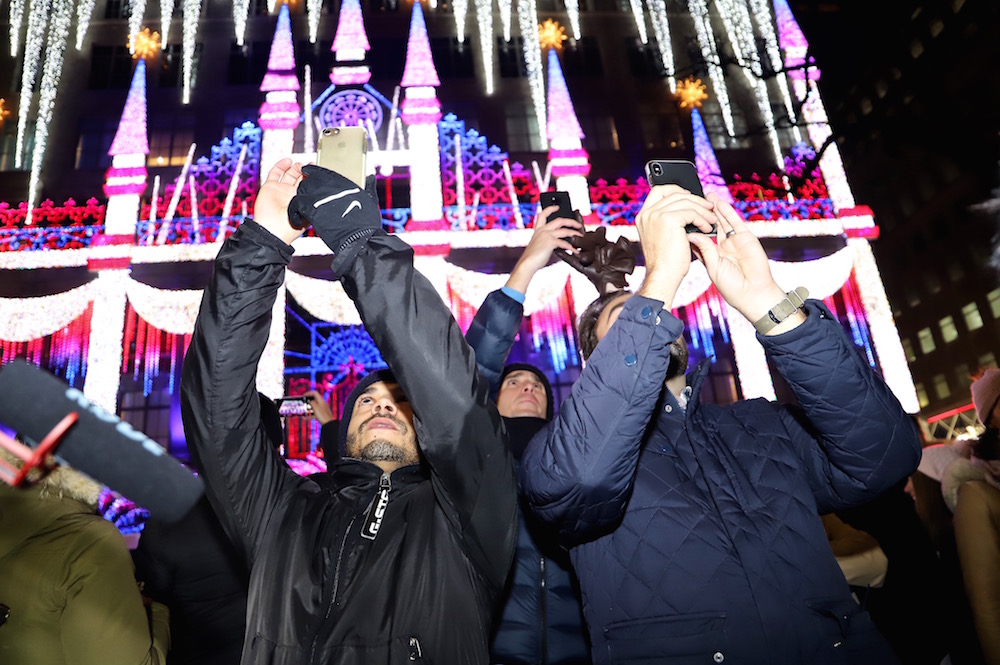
(657,169)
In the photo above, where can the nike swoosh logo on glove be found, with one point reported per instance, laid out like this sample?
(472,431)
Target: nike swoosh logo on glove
(355,205)
(339,195)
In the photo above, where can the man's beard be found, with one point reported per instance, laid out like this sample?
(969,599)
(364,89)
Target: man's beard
(380,450)
(678,359)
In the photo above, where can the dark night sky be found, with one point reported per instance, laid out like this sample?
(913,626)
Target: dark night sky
(946,101)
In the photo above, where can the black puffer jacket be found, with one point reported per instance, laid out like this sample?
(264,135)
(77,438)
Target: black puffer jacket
(423,590)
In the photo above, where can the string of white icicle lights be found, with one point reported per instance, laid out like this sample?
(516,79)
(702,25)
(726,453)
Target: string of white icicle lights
(527,21)
(706,41)
(55,49)
(484,19)
(192,15)
(38,15)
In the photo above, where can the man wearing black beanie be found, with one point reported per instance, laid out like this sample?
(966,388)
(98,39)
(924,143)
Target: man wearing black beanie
(400,551)
(541,620)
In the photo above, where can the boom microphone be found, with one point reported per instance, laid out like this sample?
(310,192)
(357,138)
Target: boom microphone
(100,445)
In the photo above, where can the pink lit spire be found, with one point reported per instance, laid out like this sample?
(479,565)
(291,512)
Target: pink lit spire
(280,109)
(792,42)
(130,139)
(281,63)
(350,45)
(127,175)
(351,39)
(704,158)
(566,154)
(419,70)
(563,123)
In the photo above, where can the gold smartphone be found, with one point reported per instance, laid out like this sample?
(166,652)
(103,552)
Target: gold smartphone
(344,150)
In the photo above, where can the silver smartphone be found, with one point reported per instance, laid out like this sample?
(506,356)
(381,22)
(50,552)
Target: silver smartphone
(344,150)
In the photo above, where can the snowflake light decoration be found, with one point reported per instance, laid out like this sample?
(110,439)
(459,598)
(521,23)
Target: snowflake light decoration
(691,92)
(551,35)
(145,45)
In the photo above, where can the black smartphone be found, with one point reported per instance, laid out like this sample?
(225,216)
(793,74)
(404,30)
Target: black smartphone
(294,406)
(557,198)
(679,172)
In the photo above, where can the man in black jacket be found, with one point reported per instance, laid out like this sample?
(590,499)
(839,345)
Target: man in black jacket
(377,561)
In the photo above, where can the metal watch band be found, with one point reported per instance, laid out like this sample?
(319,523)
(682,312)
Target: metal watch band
(793,301)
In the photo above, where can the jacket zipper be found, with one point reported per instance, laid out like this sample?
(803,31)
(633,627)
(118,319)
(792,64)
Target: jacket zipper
(384,487)
(541,607)
(336,585)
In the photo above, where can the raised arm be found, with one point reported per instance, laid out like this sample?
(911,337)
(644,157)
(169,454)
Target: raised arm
(856,441)
(492,332)
(577,473)
(244,476)
(458,428)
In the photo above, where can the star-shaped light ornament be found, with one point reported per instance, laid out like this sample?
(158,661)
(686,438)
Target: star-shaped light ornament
(691,93)
(146,45)
(551,35)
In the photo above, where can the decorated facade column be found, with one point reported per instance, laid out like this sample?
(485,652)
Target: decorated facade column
(124,184)
(421,110)
(350,45)
(569,161)
(125,181)
(279,114)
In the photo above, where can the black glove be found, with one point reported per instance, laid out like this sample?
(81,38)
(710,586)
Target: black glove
(343,214)
(604,263)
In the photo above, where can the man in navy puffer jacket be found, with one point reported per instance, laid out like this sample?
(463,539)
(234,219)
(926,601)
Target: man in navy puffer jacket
(693,527)
(541,620)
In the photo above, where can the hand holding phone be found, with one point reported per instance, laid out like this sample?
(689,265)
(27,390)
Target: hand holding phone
(560,199)
(678,172)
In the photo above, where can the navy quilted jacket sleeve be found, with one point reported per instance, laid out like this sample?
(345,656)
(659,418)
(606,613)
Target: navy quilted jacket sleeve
(577,473)
(855,440)
(491,335)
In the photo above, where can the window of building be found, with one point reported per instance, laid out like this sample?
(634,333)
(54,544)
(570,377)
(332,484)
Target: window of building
(912,295)
(522,128)
(955,271)
(660,130)
(170,139)
(987,361)
(110,68)
(936,27)
(933,281)
(949,333)
(96,135)
(172,63)
(926,340)
(962,378)
(908,350)
(644,60)
(8,144)
(452,58)
(599,131)
(248,63)
(582,59)
(973,319)
(510,58)
(941,388)
(117,9)
(921,395)
(994,299)
(916,48)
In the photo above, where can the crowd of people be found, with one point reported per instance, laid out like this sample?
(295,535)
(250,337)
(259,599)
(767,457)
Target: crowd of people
(461,518)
